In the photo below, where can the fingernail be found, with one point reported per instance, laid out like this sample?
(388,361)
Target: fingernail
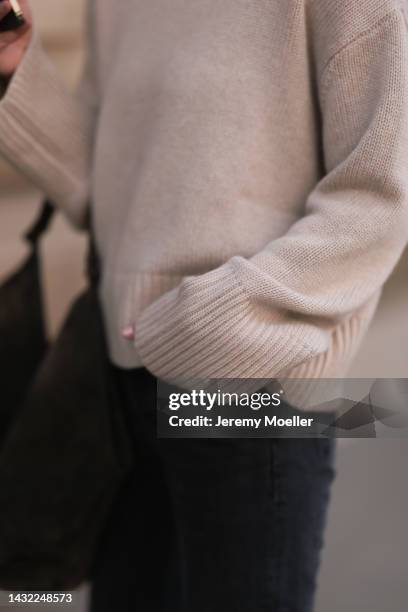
(128,333)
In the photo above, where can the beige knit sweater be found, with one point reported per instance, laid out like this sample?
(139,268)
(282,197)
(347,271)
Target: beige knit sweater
(247,163)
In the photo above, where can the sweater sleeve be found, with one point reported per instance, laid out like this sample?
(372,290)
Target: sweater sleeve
(46,131)
(261,316)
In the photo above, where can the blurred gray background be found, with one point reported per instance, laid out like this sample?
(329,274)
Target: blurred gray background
(365,564)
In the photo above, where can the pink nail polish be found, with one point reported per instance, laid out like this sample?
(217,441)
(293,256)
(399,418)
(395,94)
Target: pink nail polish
(128,333)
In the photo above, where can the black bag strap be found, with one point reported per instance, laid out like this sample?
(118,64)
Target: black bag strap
(41,223)
(92,263)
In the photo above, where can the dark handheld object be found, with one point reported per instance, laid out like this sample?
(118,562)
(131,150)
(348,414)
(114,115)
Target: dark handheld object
(14,19)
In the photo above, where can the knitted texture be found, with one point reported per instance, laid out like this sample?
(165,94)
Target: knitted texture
(247,166)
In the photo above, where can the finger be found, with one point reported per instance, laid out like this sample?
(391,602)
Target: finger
(5,8)
(8,38)
(25,6)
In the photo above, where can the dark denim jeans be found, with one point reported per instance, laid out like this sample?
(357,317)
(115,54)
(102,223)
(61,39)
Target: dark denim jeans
(212,525)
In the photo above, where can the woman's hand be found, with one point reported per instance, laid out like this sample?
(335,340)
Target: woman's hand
(14,43)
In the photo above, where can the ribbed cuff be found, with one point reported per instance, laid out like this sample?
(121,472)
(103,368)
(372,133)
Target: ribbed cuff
(208,328)
(42,132)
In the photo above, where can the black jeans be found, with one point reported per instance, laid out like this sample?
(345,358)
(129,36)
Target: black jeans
(211,525)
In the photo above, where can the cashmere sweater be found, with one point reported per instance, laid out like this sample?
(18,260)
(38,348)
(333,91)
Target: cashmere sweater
(246,164)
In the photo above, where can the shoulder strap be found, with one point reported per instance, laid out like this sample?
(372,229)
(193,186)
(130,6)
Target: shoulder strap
(93,266)
(40,226)
(41,223)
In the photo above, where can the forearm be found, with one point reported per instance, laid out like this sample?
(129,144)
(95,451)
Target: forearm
(265,315)
(44,131)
